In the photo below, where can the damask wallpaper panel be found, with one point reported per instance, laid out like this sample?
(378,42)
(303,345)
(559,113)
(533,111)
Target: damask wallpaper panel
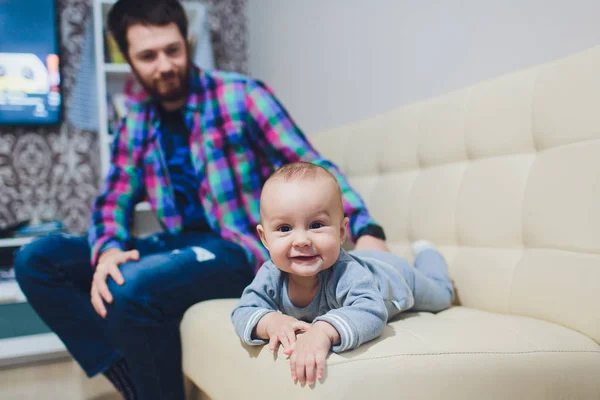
(229,34)
(52,172)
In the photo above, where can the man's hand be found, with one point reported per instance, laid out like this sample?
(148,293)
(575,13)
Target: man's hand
(311,350)
(280,328)
(108,264)
(367,242)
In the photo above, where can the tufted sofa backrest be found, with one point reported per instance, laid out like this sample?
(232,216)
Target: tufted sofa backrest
(504,176)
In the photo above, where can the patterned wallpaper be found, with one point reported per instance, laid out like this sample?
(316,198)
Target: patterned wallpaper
(52,173)
(227,22)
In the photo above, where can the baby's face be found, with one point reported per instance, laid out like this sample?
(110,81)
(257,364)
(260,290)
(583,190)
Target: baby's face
(303,225)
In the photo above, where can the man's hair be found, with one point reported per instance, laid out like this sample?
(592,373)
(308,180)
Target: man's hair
(304,170)
(125,13)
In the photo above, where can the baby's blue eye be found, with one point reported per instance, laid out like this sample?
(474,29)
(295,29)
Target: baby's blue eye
(316,225)
(284,228)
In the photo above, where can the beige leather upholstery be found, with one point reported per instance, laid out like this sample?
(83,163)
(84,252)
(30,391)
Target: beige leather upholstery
(460,353)
(505,177)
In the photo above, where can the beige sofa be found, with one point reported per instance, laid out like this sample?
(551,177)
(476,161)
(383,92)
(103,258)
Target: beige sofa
(505,177)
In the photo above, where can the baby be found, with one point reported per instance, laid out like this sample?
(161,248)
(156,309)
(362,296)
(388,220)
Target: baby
(333,300)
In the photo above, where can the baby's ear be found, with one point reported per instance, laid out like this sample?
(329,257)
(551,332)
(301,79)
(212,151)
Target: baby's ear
(261,233)
(344,229)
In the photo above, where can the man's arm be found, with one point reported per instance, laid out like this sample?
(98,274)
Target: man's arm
(113,208)
(275,133)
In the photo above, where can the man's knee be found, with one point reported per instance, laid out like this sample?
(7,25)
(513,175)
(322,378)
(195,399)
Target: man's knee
(53,258)
(32,258)
(132,301)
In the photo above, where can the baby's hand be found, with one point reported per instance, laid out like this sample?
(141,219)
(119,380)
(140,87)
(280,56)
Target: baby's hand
(281,328)
(310,353)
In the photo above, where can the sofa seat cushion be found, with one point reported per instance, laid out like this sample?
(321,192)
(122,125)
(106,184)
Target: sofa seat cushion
(460,353)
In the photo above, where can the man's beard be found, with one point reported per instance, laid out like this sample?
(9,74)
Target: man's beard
(179,92)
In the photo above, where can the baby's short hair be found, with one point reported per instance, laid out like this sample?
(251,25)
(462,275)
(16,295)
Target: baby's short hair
(304,170)
(301,169)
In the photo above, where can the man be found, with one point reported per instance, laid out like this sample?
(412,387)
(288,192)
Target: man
(198,146)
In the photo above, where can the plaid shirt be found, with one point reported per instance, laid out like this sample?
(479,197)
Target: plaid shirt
(240,134)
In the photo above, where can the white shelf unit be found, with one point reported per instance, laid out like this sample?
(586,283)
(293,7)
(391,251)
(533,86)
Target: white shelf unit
(14,242)
(11,293)
(9,289)
(109,79)
(31,348)
(111,68)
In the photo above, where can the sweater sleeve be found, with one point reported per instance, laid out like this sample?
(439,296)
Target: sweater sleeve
(362,314)
(258,299)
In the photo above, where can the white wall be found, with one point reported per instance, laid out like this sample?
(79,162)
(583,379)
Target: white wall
(337,61)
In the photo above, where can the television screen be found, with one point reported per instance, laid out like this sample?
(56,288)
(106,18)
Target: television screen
(29,63)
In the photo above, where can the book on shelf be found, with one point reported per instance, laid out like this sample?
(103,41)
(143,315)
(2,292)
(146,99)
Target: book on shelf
(117,109)
(112,54)
(119,101)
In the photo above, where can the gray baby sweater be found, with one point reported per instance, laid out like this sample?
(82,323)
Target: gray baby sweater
(356,295)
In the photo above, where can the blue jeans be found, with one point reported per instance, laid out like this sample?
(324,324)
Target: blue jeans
(173,273)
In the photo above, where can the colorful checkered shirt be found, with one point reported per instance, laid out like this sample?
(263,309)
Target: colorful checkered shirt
(240,135)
